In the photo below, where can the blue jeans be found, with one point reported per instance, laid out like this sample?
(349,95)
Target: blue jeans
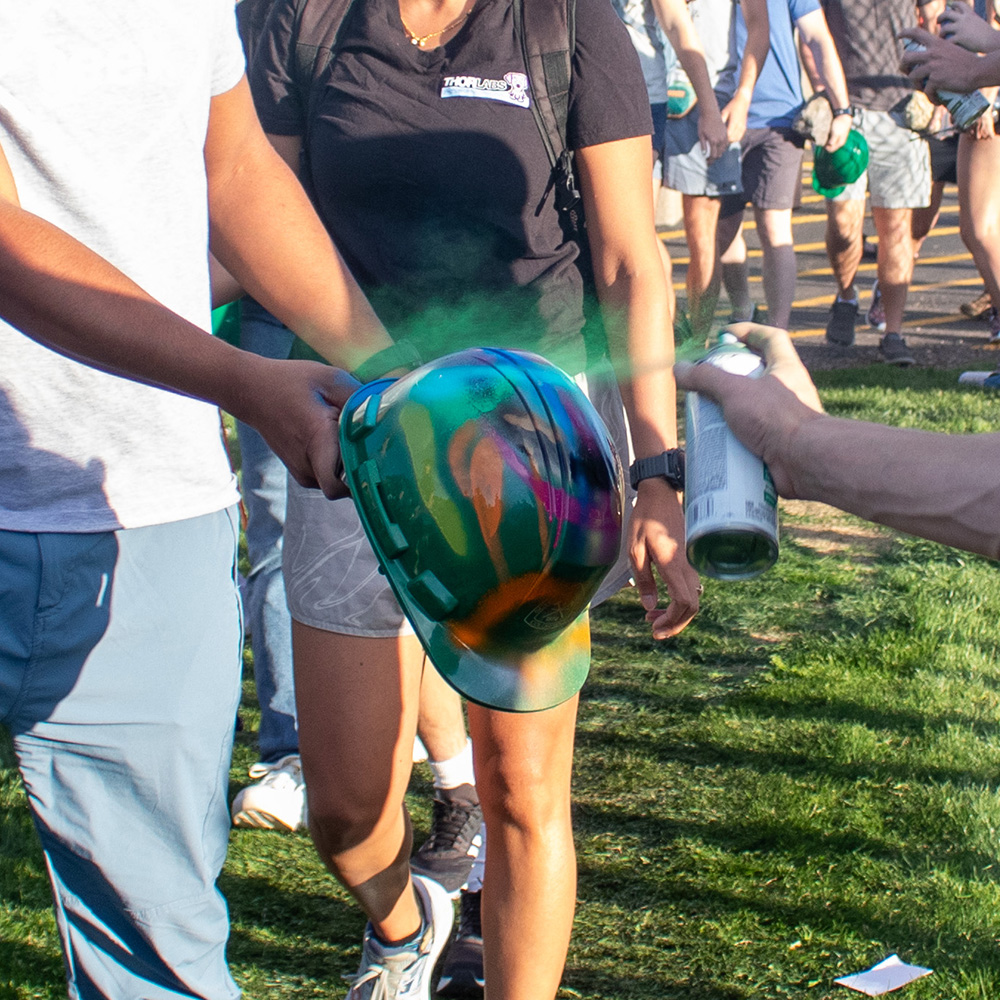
(270,625)
(119,682)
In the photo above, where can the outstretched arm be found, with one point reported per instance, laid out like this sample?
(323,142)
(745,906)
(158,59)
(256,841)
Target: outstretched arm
(266,234)
(59,292)
(632,287)
(945,487)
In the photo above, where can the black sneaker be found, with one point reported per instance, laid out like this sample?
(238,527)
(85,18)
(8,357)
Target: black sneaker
(840,326)
(894,351)
(448,853)
(462,971)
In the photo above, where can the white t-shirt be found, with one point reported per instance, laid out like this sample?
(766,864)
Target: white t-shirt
(103,115)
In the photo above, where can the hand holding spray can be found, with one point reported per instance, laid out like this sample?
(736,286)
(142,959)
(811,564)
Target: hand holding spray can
(965,109)
(730,503)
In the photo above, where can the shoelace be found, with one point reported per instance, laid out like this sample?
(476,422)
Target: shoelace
(389,983)
(448,824)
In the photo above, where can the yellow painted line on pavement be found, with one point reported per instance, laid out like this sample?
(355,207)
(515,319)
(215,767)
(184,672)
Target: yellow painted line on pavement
(865,265)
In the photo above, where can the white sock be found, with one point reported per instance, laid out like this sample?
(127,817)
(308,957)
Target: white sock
(455,771)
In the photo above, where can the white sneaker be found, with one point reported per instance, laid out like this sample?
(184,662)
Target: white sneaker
(277,801)
(404,972)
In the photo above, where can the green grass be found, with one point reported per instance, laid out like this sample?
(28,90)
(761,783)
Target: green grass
(801,784)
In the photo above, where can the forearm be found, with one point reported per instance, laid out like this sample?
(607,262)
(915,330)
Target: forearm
(680,31)
(266,234)
(937,486)
(635,306)
(758,44)
(828,68)
(62,294)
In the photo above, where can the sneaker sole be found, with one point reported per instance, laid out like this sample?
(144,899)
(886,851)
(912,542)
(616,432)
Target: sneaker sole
(433,898)
(462,987)
(256,819)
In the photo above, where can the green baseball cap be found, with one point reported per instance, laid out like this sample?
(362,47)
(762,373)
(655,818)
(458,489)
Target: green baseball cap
(492,495)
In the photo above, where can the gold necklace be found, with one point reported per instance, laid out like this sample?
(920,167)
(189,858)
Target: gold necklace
(419,40)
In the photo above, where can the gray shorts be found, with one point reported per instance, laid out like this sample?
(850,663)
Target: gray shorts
(899,169)
(772,170)
(686,167)
(332,576)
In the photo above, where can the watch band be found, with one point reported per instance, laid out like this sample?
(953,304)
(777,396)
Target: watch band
(669,466)
(837,112)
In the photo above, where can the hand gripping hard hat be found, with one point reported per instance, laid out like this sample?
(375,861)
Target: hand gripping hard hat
(492,495)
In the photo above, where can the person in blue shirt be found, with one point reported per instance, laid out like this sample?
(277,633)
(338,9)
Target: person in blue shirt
(772,154)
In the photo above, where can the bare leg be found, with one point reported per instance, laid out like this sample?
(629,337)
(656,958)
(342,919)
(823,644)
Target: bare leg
(357,708)
(523,767)
(440,721)
(895,261)
(979,204)
(668,268)
(844,242)
(733,261)
(925,219)
(701,216)
(774,227)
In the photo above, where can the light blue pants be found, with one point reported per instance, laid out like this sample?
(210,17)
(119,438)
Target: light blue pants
(119,681)
(270,624)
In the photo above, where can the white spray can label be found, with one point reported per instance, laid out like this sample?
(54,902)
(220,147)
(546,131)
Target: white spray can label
(730,503)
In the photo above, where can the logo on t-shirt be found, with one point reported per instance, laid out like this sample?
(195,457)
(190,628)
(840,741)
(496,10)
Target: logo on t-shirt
(512,89)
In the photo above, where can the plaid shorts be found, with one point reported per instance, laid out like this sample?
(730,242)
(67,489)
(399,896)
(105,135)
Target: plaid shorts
(899,169)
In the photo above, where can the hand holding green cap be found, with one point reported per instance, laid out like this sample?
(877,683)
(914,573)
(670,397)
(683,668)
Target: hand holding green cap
(832,172)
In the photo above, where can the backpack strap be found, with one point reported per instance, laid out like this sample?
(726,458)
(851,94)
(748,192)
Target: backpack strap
(548,38)
(316,31)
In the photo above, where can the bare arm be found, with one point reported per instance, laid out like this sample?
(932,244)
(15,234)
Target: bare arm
(8,190)
(754,53)
(679,29)
(266,234)
(945,487)
(632,287)
(59,292)
(815,35)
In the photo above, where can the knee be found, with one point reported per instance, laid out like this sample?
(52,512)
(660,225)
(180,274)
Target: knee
(341,825)
(525,796)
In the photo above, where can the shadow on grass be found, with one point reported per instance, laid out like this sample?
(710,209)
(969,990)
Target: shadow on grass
(35,970)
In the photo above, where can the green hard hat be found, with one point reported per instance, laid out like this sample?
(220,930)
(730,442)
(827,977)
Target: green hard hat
(492,494)
(832,172)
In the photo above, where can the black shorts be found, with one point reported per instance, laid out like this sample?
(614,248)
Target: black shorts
(944,159)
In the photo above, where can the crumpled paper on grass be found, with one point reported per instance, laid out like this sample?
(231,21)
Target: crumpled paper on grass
(888,975)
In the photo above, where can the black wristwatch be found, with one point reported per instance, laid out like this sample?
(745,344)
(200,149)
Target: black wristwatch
(669,465)
(837,112)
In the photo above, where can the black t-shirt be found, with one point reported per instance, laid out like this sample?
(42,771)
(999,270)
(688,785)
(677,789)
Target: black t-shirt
(430,174)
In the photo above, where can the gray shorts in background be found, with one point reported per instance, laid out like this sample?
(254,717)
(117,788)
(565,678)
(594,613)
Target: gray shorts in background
(686,167)
(332,576)
(899,169)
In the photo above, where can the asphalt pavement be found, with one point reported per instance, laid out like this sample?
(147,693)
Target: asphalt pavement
(944,277)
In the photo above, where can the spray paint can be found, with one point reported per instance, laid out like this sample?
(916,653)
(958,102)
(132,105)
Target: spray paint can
(964,108)
(730,503)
